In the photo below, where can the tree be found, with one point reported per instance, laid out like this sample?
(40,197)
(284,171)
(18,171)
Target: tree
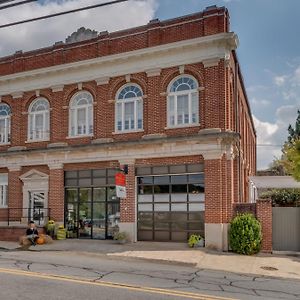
(293,159)
(294,133)
(291,150)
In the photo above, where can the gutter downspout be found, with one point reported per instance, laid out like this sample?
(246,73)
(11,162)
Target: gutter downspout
(237,129)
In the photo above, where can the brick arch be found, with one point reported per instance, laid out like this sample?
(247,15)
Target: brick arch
(86,88)
(174,72)
(119,82)
(33,97)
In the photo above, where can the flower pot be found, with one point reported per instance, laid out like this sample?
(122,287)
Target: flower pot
(200,243)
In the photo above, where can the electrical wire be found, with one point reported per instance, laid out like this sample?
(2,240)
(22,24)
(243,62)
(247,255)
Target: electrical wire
(6,1)
(14,4)
(61,13)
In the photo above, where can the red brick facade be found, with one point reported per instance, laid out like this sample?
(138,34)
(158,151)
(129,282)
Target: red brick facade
(224,116)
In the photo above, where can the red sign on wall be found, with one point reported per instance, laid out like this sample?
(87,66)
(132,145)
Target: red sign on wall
(120,179)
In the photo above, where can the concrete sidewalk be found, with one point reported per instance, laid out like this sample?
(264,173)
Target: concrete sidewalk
(262,264)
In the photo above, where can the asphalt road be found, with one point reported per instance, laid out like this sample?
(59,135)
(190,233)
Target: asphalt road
(68,275)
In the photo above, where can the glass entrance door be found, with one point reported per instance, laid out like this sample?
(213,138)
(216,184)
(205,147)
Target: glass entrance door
(85,220)
(37,206)
(92,212)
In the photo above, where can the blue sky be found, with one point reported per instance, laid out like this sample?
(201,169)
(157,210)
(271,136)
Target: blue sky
(269,50)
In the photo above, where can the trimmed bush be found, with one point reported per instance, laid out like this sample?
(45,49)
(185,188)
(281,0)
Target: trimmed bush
(283,197)
(245,234)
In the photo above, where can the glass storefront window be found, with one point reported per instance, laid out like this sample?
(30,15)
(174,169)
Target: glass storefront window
(92,207)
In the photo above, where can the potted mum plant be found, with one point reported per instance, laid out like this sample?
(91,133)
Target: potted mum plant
(121,237)
(196,240)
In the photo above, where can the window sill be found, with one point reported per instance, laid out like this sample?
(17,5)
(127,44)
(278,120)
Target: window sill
(4,144)
(36,141)
(183,126)
(3,207)
(128,131)
(79,136)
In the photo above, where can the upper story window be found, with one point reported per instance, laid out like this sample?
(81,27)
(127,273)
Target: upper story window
(38,120)
(81,114)
(183,101)
(129,108)
(3,190)
(5,113)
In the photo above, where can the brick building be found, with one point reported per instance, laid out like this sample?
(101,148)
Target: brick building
(166,99)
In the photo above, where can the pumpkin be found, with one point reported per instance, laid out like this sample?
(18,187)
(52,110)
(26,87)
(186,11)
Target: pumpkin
(40,240)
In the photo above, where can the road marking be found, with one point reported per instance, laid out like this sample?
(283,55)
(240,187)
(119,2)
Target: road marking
(112,285)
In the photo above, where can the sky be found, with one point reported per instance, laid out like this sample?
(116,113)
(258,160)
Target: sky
(269,50)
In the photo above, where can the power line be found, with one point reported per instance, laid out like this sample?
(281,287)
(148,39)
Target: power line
(6,1)
(14,4)
(61,13)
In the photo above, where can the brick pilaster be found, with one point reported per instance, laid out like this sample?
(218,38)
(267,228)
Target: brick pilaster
(264,215)
(15,194)
(56,193)
(213,190)
(127,205)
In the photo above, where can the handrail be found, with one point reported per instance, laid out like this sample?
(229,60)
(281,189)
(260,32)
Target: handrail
(40,215)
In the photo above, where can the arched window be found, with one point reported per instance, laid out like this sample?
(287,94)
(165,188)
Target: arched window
(183,101)
(4,123)
(129,108)
(81,114)
(38,120)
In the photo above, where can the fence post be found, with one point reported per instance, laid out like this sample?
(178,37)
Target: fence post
(264,215)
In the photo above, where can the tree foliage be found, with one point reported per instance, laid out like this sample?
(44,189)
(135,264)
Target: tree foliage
(294,133)
(293,159)
(291,150)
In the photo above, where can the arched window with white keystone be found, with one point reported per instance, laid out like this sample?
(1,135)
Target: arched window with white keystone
(129,108)
(5,114)
(183,101)
(81,114)
(38,120)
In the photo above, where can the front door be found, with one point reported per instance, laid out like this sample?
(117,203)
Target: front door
(92,212)
(37,206)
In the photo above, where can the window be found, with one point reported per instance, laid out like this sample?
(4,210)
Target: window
(129,108)
(81,114)
(38,120)
(3,190)
(4,123)
(183,98)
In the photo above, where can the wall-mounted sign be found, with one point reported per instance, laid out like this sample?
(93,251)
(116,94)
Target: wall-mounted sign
(120,180)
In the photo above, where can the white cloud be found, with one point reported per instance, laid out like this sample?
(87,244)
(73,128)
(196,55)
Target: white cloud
(271,136)
(280,80)
(259,102)
(45,33)
(296,77)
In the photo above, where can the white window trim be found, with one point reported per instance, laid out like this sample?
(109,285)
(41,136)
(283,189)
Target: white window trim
(45,132)
(3,190)
(73,109)
(7,130)
(134,100)
(189,93)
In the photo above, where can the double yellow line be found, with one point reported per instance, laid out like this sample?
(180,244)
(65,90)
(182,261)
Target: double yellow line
(111,285)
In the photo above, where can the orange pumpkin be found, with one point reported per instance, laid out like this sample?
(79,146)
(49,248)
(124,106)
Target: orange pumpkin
(40,240)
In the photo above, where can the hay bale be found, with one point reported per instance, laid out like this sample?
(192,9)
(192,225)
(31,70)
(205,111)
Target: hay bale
(24,241)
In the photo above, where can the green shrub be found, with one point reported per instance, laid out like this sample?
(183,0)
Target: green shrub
(283,197)
(245,234)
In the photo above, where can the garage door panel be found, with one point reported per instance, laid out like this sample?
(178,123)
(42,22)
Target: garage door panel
(172,207)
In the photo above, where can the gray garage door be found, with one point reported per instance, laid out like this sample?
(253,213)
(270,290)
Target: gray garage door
(286,228)
(170,206)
